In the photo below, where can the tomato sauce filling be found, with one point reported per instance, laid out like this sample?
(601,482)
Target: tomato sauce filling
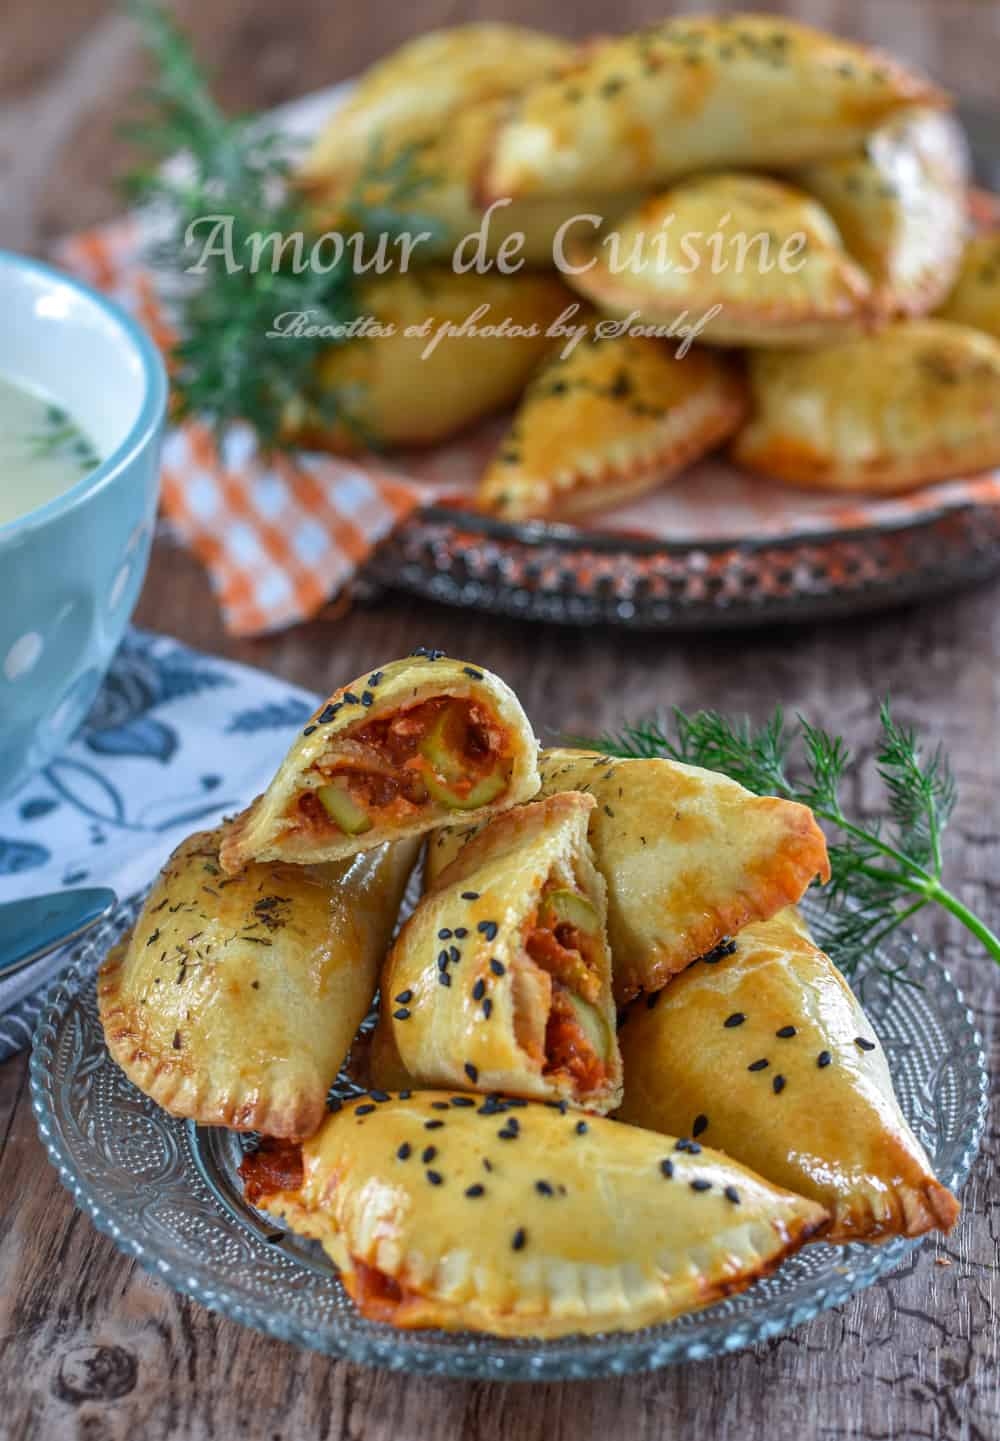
(377,1296)
(447,752)
(569,957)
(274,1166)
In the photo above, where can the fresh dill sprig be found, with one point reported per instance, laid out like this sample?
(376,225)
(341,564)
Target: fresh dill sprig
(885,874)
(223,366)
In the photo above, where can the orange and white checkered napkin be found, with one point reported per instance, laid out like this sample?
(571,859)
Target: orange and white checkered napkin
(279,537)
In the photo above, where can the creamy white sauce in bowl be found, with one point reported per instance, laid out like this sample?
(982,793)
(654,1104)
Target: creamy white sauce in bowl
(43,450)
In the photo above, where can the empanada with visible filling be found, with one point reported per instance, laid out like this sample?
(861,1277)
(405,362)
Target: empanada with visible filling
(612,419)
(766,1055)
(425,378)
(420,85)
(522,1221)
(688,855)
(747,259)
(501,978)
(975,299)
(235,1000)
(920,402)
(696,93)
(400,750)
(900,207)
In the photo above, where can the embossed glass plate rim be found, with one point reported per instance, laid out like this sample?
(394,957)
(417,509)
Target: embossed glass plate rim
(465,1355)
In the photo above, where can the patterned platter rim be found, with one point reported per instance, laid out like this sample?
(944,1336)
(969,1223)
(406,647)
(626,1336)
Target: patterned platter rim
(556,573)
(694,1337)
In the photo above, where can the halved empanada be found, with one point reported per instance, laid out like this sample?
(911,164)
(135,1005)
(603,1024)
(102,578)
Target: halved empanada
(419,381)
(689,857)
(917,403)
(235,1000)
(421,84)
(501,978)
(610,420)
(975,300)
(900,206)
(521,1221)
(750,260)
(696,93)
(766,1055)
(403,749)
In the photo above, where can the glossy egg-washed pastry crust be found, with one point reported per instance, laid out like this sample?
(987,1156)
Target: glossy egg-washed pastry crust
(606,422)
(235,1000)
(523,1221)
(688,855)
(479,992)
(975,299)
(696,93)
(287,823)
(760,261)
(767,1054)
(917,403)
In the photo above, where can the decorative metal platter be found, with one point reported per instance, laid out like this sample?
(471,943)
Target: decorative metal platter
(168,1193)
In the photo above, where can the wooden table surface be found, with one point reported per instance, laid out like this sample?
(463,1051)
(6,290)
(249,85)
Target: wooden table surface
(94,1348)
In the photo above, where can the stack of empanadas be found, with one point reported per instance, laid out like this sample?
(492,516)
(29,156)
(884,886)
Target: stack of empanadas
(481,1182)
(739,181)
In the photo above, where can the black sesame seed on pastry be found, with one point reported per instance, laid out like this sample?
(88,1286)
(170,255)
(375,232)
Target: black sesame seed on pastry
(501,978)
(766,1054)
(400,750)
(611,420)
(688,856)
(235,1000)
(523,1220)
(696,93)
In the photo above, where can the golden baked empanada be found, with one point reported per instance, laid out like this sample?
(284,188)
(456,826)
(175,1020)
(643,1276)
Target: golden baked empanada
(917,403)
(758,261)
(766,1055)
(696,93)
(501,978)
(975,299)
(419,382)
(689,857)
(402,749)
(900,206)
(422,83)
(522,1221)
(235,1000)
(610,420)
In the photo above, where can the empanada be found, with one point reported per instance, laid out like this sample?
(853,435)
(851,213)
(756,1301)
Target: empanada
(917,403)
(421,84)
(766,1055)
(501,978)
(612,419)
(900,207)
(235,1000)
(689,857)
(436,367)
(748,259)
(696,93)
(975,299)
(519,1220)
(400,750)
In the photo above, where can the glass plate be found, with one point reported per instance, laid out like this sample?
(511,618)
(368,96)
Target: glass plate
(167,1193)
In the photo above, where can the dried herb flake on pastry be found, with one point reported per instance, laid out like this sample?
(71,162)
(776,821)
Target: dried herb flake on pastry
(917,403)
(612,419)
(759,261)
(696,93)
(975,299)
(235,999)
(688,855)
(501,978)
(400,750)
(765,1053)
(900,206)
(520,1220)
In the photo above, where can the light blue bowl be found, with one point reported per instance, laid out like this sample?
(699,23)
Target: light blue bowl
(71,571)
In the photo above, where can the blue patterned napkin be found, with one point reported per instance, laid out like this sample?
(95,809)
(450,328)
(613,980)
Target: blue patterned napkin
(174,741)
